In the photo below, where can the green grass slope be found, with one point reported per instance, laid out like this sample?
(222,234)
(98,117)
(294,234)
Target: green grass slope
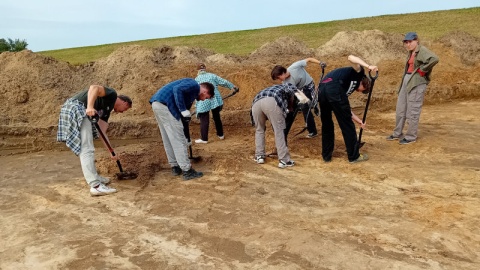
(429,25)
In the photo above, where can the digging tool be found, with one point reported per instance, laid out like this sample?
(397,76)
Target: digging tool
(186,131)
(314,101)
(359,142)
(120,175)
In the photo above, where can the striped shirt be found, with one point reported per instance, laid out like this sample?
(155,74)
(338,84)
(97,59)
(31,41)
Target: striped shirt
(209,104)
(69,123)
(282,94)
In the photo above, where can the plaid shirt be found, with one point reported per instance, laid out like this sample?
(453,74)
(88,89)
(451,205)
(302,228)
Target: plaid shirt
(282,94)
(178,96)
(209,104)
(69,123)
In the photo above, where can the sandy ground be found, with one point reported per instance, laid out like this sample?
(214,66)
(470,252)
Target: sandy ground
(409,207)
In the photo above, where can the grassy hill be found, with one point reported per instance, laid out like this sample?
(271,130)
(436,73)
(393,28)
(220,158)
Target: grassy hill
(429,25)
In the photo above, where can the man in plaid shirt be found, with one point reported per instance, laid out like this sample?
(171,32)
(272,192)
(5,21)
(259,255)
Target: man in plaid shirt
(77,131)
(214,104)
(273,103)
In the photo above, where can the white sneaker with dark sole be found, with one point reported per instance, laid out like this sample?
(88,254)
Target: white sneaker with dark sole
(101,190)
(259,159)
(283,164)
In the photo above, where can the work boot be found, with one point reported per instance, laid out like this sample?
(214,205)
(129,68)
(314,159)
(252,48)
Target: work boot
(176,170)
(191,174)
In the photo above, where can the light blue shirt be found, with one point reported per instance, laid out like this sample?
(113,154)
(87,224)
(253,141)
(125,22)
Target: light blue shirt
(209,104)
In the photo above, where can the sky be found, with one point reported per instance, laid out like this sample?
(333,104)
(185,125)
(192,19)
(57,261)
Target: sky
(59,24)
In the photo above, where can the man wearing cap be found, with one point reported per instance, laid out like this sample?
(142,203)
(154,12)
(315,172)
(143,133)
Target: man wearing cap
(419,64)
(334,90)
(214,104)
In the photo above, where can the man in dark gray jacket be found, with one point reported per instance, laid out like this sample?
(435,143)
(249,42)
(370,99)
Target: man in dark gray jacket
(418,67)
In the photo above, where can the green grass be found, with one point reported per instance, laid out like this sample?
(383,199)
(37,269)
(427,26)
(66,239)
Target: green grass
(429,25)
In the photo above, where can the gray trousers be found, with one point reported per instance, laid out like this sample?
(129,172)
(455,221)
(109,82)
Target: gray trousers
(409,107)
(87,154)
(263,109)
(173,138)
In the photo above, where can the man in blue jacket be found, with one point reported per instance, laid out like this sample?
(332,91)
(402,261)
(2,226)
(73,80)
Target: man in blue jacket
(171,105)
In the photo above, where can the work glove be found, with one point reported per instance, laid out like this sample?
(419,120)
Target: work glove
(187,117)
(323,64)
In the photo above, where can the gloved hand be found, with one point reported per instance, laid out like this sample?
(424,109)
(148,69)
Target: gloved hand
(323,64)
(186,116)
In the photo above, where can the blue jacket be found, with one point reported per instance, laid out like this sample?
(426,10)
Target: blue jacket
(178,96)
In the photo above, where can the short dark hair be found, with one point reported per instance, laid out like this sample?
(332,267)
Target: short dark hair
(126,99)
(210,87)
(277,71)
(367,84)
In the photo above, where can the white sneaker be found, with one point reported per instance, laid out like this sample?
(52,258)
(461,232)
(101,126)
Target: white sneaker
(221,137)
(101,190)
(103,180)
(259,159)
(283,164)
(200,141)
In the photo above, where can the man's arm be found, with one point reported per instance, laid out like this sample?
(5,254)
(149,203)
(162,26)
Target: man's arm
(94,91)
(357,63)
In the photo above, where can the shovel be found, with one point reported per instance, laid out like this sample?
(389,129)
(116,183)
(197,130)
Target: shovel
(186,131)
(120,175)
(360,143)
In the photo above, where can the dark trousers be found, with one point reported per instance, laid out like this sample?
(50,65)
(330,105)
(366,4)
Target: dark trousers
(333,98)
(205,122)
(309,116)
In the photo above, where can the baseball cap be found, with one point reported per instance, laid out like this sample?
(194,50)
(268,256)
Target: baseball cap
(410,36)
(201,66)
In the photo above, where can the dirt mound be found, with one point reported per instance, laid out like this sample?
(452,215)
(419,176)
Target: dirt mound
(25,78)
(39,85)
(283,47)
(466,46)
(371,45)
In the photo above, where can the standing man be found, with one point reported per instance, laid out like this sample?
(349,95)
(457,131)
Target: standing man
(273,103)
(418,67)
(298,76)
(75,128)
(215,104)
(334,89)
(171,105)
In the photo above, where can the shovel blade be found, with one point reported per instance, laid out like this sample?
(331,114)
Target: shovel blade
(360,144)
(126,175)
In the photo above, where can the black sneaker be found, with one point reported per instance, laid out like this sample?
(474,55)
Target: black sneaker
(405,141)
(191,174)
(391,138)
(176,170)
